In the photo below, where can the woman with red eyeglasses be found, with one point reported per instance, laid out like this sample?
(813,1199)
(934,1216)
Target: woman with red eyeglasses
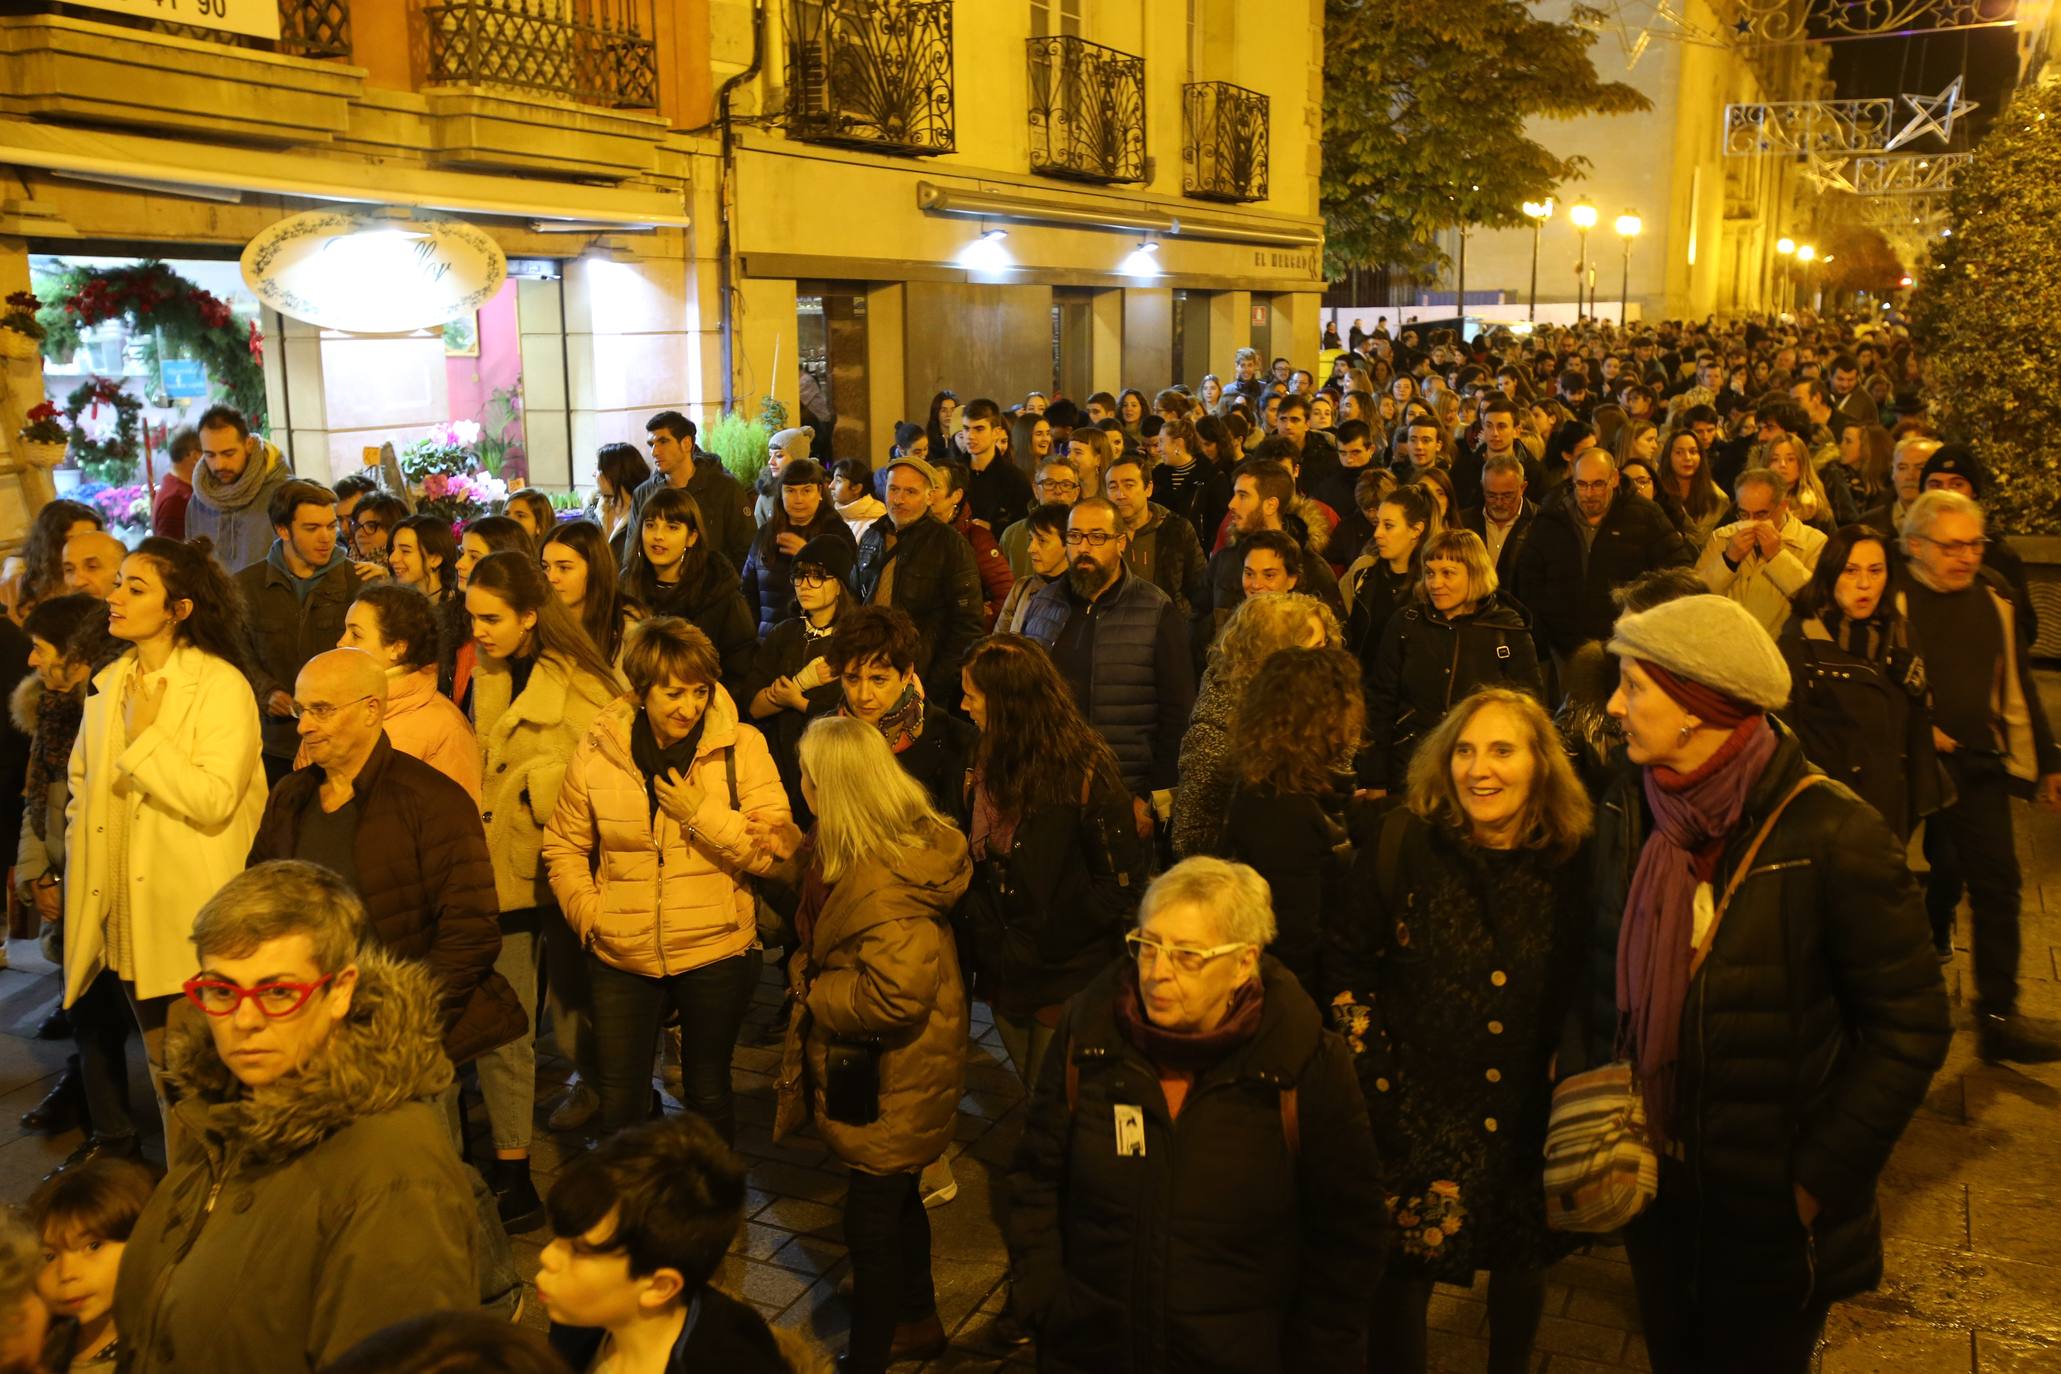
(167,788)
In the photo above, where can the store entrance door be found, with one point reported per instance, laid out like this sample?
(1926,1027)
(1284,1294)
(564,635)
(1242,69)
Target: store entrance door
(832,344)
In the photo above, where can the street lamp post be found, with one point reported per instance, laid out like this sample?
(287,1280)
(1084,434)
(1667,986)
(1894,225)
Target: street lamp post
(1538,212)
(1806,255)
(1784,246)
(1584,216)
(1628,227)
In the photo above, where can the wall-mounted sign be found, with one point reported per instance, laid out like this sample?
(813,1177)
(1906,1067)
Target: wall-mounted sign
(1259,317)
(371,275)
(259,18)
(184,379)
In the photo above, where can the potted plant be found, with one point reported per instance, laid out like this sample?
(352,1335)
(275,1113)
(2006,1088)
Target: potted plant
(21,335)
(44,438)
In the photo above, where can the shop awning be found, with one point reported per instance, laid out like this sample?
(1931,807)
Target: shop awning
(135,160)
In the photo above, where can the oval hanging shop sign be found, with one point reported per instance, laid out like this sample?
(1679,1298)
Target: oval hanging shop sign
(368,275)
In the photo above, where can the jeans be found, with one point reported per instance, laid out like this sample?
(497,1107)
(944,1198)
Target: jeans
(1027,1040)
(151,1014)
(566,992)
(101,1027)
(627,1006)
(508,1076)
(1969,845)
(1682,1338)
(500,1283)
(888,1234)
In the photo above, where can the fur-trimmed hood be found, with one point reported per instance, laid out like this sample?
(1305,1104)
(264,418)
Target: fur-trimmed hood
(21,704)
(387,1052)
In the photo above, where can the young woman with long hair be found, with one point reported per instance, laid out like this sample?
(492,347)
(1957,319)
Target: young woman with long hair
(939,424)
(167,787)
(485,534)
(538,685)
(581,569)
(1376,585)
(42,556)
(1131,409)
(1030,440)
(1262,626)
(674,570)
(1789,458)
(804,513)
(1684,475)
(1299,725)
(619,469)
(396,624)
(876,1048)
(1058,867)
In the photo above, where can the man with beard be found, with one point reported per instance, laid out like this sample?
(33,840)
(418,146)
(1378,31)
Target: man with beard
(1123,648)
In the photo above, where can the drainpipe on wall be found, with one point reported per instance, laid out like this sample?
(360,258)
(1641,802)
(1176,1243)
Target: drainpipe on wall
(725,194)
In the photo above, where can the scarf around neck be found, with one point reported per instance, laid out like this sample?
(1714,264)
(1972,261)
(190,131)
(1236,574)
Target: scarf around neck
(654,762)
(57,724)
(902,722)
(1189,1052)
(1693,813)
(234,495)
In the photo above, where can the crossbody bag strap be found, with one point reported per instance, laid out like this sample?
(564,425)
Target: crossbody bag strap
(1745,866)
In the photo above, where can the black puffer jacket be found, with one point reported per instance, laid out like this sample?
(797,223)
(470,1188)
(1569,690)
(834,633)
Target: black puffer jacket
(1864,722)
(1809,1038)
(1427,663)
(714,603)
(768,576)
(1049,913)
(1220,1249)
(1302,844)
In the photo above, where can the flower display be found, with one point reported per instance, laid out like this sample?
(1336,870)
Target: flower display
(444,473)
(123,506)
(20,315)
(43,426)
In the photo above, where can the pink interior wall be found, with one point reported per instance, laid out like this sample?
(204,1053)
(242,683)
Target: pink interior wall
(499,364)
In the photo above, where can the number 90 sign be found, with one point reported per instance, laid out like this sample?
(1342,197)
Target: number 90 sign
(258,18)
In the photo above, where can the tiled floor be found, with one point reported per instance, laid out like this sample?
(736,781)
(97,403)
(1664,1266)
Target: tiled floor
(1972,1199)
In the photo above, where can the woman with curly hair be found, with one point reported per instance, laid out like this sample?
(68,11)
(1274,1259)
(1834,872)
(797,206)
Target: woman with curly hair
(1291,811)
(1261,626)
(42,556)
(1057,864)
(1449,981)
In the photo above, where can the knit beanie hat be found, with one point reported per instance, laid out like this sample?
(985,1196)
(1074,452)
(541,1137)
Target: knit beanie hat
(1713,657)
(795,441)
(1960,461)
(830,553)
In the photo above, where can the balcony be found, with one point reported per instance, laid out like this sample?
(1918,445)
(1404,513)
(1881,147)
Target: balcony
(1087,111)
(1223,142)
(592,52)
(872,74)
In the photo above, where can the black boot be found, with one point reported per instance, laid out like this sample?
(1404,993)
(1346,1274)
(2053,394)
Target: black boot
(56,1026)
(515,1197)
(63,1108)
(101,1147)
(2011,1038)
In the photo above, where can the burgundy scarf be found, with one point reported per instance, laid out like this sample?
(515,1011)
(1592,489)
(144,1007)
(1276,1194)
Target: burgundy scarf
(1189,1052)
(1692,815)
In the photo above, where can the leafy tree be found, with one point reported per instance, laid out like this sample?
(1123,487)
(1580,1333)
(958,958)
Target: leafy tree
(1424,114)
(1985,307)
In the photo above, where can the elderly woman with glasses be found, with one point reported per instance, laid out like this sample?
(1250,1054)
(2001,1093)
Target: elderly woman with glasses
(1194,1189)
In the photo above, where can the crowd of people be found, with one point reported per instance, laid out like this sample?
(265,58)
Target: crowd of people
(1308,778)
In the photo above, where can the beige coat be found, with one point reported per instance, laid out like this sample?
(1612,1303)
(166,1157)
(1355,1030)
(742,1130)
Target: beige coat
(193,786)
(882,964)
(643,893)
(525,745)
(1763,586)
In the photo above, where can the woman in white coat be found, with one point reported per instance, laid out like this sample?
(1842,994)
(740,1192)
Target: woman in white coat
(167,787)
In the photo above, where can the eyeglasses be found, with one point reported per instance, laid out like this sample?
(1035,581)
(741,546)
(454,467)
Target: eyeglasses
(1955,548)
(1184,958)
(1094,539)
(814,577)
(218,997)
(321,710)
(1049,484)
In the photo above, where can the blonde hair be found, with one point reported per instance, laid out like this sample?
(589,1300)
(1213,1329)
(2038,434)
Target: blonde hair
(1465,548)
(866,806)
(1262,626)
(1557,814)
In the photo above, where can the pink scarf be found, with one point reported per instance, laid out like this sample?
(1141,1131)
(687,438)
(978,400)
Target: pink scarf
(1692,815)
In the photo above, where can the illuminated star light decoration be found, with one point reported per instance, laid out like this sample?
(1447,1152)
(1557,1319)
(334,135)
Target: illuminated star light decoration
(1827,173)
(1637,23)
(1933,114)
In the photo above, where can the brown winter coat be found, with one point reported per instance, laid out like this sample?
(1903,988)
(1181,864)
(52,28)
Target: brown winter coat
(641,892)
(525,745)
(427,885)
(882,963)
(301,1217)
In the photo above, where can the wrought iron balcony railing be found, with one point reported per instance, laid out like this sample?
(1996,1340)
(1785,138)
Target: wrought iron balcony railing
(597,52)
(1223,142)
(1087,111)
(872,74)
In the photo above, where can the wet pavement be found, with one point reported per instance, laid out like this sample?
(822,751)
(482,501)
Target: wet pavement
(1971,1198)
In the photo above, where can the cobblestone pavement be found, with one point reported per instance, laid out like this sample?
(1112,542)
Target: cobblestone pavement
(1971,1202)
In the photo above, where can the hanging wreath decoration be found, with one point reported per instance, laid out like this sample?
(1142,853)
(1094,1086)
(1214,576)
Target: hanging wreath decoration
(114,458)
(190,322)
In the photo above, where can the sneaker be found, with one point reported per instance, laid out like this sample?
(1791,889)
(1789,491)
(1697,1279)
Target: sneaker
(575,1109)
(2001,1039)
(938,1185)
